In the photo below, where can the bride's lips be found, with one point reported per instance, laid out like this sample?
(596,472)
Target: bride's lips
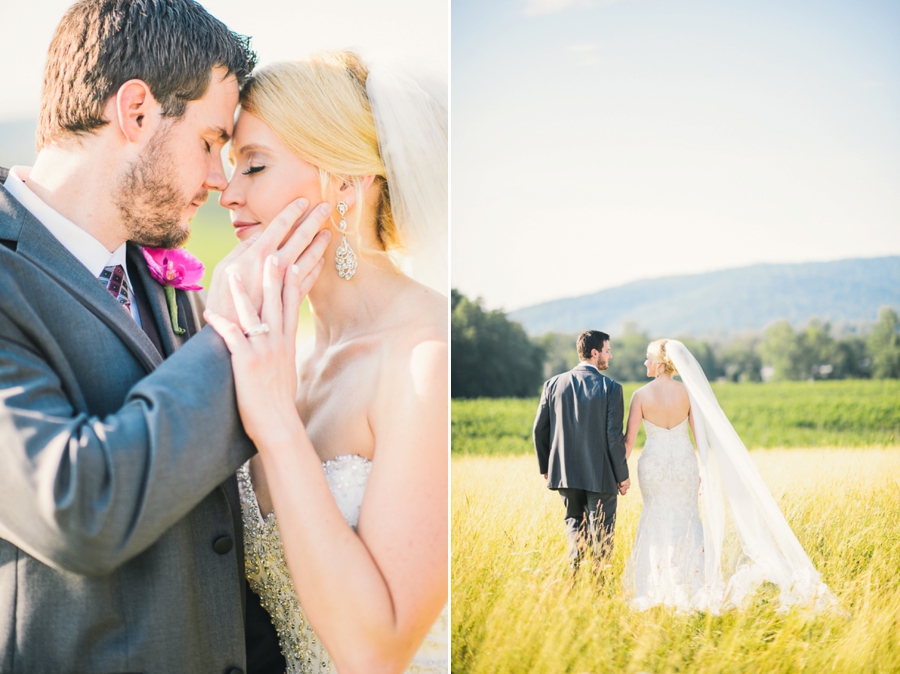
(241,227)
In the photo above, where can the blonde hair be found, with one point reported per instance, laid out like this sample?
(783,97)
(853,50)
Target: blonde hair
(657,351)
(318,108)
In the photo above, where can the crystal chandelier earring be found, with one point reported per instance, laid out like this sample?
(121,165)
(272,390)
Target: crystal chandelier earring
(344,257)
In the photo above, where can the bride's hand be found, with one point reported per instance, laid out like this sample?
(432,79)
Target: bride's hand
(289,236)
(263,347)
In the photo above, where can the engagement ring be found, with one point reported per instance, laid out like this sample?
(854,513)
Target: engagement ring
(258,329)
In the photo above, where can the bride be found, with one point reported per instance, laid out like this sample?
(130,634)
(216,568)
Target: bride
(354,466)
(677,556)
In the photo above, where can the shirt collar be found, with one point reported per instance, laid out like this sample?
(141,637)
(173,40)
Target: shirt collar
(586,364)
(86,249)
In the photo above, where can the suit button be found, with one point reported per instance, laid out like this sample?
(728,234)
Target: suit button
(234,670)
(223,545)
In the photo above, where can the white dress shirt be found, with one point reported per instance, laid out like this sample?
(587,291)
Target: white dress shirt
(584,362)
(86,249)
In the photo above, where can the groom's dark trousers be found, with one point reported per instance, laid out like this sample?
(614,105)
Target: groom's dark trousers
(121,546)
(580,446)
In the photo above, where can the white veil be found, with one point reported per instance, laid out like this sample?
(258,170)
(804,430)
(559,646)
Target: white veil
(773,552)
(412,125)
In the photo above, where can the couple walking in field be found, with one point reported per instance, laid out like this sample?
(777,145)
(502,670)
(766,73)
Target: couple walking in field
(677,559)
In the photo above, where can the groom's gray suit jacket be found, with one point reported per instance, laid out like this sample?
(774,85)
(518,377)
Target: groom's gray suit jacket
(578,431)
(120,546)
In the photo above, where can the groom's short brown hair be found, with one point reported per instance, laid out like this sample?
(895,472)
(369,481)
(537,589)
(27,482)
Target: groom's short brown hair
(172,45)
(590,340)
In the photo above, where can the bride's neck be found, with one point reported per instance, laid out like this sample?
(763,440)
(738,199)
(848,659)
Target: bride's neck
(342,307)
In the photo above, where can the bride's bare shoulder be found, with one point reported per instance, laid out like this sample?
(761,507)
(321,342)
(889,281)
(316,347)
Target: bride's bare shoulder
(639,392)
(421,315)
(416,351)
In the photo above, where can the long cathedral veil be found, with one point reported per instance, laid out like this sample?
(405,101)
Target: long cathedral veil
(729,475)
(412,125)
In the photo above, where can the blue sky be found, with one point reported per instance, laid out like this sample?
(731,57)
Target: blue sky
(596,143)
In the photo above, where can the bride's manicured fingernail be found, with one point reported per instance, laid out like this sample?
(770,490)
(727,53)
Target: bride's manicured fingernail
(295,269)
(326,235)
(274,260)
(301,202)
(325,209)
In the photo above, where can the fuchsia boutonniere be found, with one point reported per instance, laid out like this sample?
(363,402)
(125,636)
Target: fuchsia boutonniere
(175,269)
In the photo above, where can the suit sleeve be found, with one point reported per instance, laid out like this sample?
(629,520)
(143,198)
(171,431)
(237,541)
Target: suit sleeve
(615,438)
(541,432)
(85,494)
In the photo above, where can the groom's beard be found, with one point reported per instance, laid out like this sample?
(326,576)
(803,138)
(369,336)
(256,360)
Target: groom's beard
(149,202)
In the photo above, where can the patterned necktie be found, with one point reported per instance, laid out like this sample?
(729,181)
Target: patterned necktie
(117,285)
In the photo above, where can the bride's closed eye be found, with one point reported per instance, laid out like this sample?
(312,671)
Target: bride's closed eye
(253,169)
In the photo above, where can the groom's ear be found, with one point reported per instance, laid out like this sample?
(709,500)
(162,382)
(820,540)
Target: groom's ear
(136,111)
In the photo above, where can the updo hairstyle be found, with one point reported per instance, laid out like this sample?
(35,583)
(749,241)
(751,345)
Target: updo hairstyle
(318,108)
(657,352)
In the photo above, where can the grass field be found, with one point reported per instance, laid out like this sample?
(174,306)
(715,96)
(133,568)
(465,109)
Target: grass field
(515,608)
(851,413)
(828,452)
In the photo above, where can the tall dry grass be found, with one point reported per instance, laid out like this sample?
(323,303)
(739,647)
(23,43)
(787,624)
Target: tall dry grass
(516,608)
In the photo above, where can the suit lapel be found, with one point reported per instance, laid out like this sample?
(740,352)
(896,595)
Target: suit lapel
(38,245)
(35,242)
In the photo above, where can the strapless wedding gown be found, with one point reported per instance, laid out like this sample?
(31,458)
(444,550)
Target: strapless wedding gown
(666,564)
(267,572)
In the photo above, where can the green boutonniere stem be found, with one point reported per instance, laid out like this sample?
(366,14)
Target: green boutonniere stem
(173,310)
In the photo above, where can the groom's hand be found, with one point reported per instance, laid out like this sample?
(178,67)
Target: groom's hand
(295,236)
(623,486)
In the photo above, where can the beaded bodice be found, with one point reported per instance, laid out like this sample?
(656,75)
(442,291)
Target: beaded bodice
(266,570)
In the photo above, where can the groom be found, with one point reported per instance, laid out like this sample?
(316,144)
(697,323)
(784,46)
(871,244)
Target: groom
(581,449)
(120,527)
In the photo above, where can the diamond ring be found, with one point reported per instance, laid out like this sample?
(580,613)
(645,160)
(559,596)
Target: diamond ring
(258,329)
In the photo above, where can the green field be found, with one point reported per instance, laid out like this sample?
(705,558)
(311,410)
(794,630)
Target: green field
(849,413)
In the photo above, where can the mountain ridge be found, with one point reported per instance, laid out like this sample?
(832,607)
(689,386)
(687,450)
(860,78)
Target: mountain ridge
(728,301)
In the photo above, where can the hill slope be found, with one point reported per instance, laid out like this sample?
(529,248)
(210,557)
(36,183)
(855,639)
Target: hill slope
(723,302)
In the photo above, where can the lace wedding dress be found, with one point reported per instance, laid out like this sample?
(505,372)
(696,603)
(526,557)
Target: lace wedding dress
(679,548)
(268,575)
(666,563)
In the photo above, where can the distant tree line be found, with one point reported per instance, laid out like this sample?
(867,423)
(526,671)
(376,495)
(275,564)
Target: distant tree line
(778,353)
(493,356)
